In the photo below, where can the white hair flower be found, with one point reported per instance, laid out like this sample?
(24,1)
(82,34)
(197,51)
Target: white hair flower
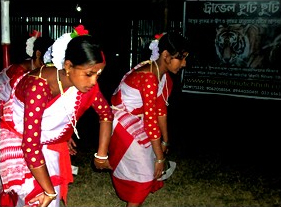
(58,50)
(30,42)
(48,55)
(155,50)
(154,47)
(30,45)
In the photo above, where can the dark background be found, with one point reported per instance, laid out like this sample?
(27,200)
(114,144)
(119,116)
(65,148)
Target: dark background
(239,130)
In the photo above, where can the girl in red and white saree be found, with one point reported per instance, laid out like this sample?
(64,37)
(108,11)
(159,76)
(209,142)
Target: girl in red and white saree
(36,46)
(41,117)
(140,137)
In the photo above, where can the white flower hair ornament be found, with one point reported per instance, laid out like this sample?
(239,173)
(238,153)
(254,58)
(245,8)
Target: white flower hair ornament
(154,47)
(47,56)
(58,48)
(30,42)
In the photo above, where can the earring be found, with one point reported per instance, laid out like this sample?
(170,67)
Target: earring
(67,73)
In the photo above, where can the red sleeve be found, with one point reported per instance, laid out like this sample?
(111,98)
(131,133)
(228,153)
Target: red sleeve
(161,107)
(149,87)
(14,72)
(102,108)
(36,93)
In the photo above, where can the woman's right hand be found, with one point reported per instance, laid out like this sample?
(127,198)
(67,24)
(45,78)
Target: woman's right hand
(43,178)
(102,164)
(42,200)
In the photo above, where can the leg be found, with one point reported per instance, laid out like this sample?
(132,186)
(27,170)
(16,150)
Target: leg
(133,204)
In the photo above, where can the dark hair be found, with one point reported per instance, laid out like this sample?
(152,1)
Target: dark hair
(83,50)
(18,48)
(42,44)
(174,43)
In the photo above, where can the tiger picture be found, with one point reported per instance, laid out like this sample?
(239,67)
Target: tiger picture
(239,45)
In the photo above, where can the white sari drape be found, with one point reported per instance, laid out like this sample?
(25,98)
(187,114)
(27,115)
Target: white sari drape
(56,121)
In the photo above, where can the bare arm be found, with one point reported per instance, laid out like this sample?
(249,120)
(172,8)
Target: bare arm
(162,121)
(104,139)
(42,176)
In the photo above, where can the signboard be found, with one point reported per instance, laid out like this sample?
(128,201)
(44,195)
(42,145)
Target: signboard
(236,47)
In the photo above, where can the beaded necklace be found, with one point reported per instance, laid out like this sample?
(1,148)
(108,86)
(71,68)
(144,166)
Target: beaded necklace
(166,85)
(32,66)
(69,118)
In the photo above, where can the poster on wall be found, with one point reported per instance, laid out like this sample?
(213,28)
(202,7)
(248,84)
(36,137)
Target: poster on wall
(236,48)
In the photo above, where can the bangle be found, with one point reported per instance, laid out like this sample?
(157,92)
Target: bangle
(166,144)
(100,157)
(160,161)
(51,195)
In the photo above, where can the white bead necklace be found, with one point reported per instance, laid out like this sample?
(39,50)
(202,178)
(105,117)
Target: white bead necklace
(69,118)
(166,85)
(32,65)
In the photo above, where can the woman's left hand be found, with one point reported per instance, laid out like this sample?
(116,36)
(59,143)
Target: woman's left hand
(71,146)
(165,149)
(158,170)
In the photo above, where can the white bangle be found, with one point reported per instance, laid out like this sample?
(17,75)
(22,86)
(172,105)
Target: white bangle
(100,157)
(166,144)
(160,161)
(51,195)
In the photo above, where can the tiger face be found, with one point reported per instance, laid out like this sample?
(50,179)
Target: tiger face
(232,45)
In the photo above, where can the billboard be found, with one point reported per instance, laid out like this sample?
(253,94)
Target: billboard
(236,48)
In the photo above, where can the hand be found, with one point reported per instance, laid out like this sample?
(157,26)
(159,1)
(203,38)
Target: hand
(71,144)
(41,200)
(165,149)
(158,170)
(102,164)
